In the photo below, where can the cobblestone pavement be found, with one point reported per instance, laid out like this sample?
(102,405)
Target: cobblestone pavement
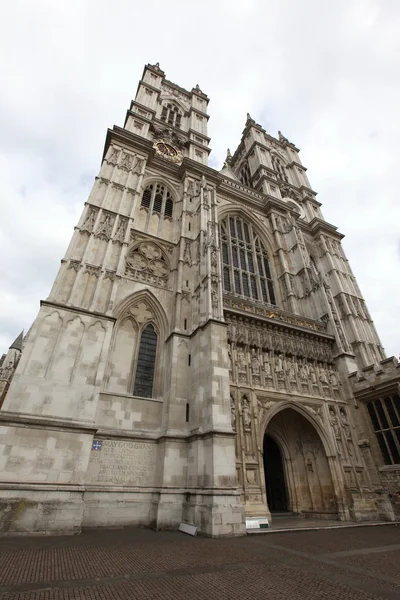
(360,563)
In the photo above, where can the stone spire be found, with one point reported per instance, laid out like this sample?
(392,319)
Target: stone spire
(17,343)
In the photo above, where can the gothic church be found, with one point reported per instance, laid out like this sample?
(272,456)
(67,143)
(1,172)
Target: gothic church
(205,354)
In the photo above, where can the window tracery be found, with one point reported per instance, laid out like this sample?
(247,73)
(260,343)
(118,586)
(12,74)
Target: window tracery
(171,115)
(279,168)
(157,199)
(245,264)
(146,263)
(385,418)
(244,174)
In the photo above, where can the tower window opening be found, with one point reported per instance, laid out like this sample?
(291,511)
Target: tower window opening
(171,115)
(244,175)
(157,199)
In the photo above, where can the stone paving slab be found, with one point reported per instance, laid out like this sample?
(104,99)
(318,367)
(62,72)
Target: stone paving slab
(355,564)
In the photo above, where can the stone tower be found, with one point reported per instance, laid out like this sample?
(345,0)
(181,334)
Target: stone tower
(205,352)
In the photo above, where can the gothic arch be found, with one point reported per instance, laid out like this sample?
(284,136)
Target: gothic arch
(164,181)
(147,297)
(240,211)
(281,406)
(265,236)
(174,100)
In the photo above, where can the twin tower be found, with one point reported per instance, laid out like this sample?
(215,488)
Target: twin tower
(205,354)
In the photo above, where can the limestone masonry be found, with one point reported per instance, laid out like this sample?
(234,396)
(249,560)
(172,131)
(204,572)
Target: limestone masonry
(205,353)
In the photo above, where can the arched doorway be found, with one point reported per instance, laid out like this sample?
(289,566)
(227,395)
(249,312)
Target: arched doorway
(275,482)
(297,473)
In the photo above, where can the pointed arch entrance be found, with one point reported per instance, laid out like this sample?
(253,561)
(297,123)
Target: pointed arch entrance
(297,472)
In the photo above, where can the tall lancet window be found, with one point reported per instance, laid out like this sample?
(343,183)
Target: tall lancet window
(144,376)
(245,263)
(171,115)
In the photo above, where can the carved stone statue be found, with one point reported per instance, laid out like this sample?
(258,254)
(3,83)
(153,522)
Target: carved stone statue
(241,360)
(255,365)
(292,370)
(322,375)
(345,423)
(311,373)
(267,365)
(7,371)
(334,421)
(246,413)
(303,372)
(333,378)
(233,413)
(279,364)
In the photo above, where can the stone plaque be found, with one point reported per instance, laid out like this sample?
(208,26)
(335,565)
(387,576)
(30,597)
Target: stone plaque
(122,463)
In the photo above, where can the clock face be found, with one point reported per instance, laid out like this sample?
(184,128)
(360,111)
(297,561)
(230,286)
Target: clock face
(167,150)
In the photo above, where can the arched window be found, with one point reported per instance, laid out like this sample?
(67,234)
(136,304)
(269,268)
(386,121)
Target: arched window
(157,199)
(245,262)
(279,168)
(171,115)
(244,174)
(144,376)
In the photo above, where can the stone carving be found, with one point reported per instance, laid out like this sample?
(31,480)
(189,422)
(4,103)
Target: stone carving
(105,227)
(92,270)
(214,292)
(7,371)
(246,413)
(146,263)
(291,370)
(271,314)
(334,381)
(255,365)
(345,423)
(74,264)
(267,365)
(109,275)
(141,313)
(126,161)
(334,421)
(311,373)
(303,371)
(88,224)
(241,360)
(187,257)
(113,156)
(322,375)
(315,409)
(233,413)
(119,235)
(279,365)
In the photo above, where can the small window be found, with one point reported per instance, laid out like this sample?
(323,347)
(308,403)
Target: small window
(146,198)
(244,175)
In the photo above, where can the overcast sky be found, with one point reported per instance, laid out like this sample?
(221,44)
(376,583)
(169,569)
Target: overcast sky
(325,73)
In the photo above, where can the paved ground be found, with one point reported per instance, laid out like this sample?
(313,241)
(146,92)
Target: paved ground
(360,563)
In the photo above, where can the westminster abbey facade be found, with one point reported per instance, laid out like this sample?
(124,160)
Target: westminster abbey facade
(205,354)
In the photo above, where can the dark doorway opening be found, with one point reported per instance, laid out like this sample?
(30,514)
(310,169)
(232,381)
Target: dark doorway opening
(274,476)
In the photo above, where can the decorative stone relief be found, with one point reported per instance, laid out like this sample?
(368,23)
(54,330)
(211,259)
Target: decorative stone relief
(187,257)
(113,154)
(233,412)
(119,235)
(141,313)
(146,263)
(104,229)
(74,264)
(246,413)
(93,270)
(334,421)
(88,225)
